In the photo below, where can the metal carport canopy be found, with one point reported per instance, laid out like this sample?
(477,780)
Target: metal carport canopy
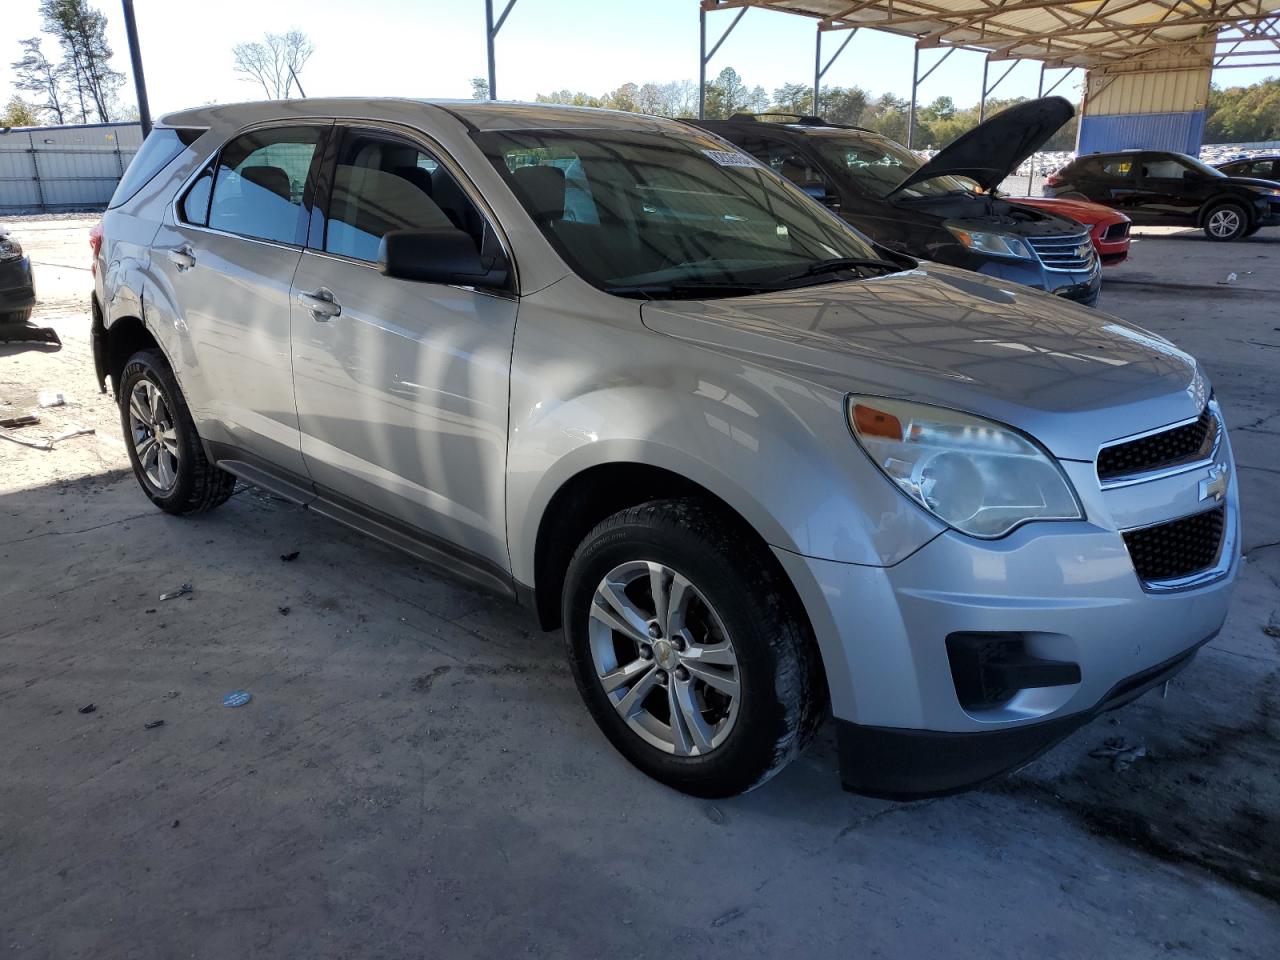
(1061,33)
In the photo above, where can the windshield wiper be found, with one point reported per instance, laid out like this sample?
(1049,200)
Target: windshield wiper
(658,291)
(836,264)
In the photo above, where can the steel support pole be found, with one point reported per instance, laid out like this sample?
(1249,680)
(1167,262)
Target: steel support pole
(982,104)
(817,73)
(911,117)
(702,63)
(135,59)
(489,38)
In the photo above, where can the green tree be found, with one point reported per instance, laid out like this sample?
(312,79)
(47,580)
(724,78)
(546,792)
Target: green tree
(479,88)
(81,33)
(844,104)
(793,98)
(727,95)
(19,113)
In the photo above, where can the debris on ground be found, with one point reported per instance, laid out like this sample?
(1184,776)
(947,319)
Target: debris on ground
(290,557)
(284,611)
(1231,278)
(1272,630)
(152,724)
(51,398)
(26,420)
(88,708)
(182,591)
(48,444)
(237,698)
(175,823)
(1119,753)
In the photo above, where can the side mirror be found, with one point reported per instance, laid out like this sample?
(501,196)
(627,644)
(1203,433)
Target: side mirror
(442,255)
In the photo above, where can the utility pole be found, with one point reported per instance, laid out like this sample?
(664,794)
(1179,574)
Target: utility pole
(135,58)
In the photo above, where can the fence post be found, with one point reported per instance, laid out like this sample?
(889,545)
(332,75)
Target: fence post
(35,168)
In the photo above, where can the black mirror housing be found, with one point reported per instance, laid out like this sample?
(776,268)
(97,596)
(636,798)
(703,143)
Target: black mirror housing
(441,255)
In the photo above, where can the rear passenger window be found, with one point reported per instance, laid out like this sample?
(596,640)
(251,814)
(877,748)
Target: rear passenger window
(194,207)
(383,184)
(258,183)
(1117,167)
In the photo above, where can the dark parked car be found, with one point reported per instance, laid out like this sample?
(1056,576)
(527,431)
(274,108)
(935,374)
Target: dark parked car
(945,210)
(17,289)
(1158,187)
(1256,168)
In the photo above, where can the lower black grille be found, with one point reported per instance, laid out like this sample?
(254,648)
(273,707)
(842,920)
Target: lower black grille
(1179,548)
(1185,444)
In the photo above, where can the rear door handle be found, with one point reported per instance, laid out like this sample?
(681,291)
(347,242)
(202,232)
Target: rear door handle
(321,304)
(183,257)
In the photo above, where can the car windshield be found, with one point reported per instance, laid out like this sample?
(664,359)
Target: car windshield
(666,213)
(878,165)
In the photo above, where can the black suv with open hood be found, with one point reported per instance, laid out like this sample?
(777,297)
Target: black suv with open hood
(947,209)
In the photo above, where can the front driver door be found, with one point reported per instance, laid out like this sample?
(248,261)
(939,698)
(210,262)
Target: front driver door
(401,386)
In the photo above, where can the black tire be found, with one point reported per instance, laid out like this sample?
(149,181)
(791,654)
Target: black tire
(1238,217)
(16,316)
(198,485)
(782,690)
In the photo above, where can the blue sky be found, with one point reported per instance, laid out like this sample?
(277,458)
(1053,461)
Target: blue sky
(431,48)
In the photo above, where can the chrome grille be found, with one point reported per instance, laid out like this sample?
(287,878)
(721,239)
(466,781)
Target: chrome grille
(1174,447)
(1064,253)
(1179,548)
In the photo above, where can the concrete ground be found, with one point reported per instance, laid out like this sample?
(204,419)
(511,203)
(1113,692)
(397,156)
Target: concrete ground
(415,775)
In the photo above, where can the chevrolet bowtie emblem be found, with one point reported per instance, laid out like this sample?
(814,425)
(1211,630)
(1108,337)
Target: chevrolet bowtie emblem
(1214,486)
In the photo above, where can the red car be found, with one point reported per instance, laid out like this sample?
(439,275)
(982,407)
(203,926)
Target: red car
(1108,228)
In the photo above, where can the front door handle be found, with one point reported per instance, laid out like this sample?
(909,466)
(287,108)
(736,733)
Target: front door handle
(183,257)
(321,304)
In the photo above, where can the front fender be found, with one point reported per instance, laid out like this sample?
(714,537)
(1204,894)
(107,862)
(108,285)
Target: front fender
(588,391)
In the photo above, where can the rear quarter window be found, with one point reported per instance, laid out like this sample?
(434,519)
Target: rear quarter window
(160,147)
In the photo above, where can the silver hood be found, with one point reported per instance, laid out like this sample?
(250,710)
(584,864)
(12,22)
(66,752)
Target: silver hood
(1070,376)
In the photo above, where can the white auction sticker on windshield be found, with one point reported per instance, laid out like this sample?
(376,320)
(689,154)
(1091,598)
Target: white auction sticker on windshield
(729,158)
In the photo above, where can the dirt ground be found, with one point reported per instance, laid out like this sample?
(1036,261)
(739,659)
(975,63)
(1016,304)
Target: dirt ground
(415,776)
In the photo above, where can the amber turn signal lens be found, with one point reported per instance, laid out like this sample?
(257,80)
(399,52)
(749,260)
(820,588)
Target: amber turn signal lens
(870,422)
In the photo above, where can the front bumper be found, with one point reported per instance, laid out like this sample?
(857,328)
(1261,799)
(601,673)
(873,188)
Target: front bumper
(1067,591)
(1081,286)
(17,288)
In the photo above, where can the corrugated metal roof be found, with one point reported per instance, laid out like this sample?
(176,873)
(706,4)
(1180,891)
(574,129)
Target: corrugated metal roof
(1061,32)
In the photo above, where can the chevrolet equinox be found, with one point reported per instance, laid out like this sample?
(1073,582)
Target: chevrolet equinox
(756,467)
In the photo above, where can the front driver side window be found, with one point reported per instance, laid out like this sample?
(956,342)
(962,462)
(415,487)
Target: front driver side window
(260,176)
(383,184)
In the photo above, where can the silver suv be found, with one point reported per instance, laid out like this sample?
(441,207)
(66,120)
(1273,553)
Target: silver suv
(755,466)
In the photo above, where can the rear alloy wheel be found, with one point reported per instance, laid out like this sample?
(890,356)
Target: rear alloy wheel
(164,448)
(688,649)
(1226,221)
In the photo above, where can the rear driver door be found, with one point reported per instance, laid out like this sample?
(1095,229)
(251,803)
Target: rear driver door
(225,264)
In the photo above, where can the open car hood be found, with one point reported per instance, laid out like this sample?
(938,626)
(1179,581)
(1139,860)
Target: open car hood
(992,150)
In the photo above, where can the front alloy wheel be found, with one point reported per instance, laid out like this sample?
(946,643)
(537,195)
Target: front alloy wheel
(1226,222)
(664,659)
(688,648)
(154,437)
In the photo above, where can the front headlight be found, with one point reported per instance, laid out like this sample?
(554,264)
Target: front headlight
(992,244)
(975,475)
(10,249)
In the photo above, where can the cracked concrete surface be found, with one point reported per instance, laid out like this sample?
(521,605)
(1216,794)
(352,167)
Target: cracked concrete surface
(416,777)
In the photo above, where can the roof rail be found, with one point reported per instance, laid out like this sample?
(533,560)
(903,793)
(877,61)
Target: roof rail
(799,119)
